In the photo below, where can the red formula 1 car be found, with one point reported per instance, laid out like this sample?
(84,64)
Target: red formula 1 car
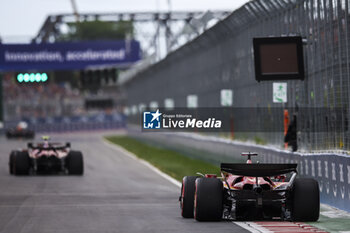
(46,157)
(20,131)
(251,191)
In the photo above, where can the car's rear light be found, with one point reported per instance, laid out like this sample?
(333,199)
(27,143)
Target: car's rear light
(210,175)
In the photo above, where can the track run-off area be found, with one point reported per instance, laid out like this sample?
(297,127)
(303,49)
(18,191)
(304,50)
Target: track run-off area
(117,193)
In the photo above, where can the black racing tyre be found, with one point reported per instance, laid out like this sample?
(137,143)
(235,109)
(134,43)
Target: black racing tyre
(11,161)
(21,163)
(75,163)
(8,134)
(30,135)
(187,196)
(208,200)
(305,200)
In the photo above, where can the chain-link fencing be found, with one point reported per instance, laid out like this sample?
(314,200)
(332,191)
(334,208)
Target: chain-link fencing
(222,58)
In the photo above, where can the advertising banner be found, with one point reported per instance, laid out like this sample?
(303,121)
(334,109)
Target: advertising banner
(68,55)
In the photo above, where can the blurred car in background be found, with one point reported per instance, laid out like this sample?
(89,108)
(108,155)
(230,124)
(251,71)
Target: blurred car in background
(46,157)
(20,131)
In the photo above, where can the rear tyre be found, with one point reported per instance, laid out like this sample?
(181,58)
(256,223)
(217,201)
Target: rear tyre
(75,163)
(21,163)
(30,135)
(8,135)
(208,199)
(187,196)
(11,161)
(305,200)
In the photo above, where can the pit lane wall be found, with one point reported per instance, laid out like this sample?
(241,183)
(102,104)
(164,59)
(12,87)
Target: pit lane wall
(331,170)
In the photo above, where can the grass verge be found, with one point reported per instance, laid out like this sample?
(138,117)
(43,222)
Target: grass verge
(168,161)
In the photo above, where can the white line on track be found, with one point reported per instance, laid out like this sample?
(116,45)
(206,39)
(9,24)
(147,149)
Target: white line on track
(250,228)
(144,162)
(60,205)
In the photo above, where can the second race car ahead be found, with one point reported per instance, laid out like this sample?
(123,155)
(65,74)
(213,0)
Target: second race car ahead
(46,157)
(20,131)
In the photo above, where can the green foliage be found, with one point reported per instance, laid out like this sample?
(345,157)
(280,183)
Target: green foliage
(173,163)
(259,140)
(99,30)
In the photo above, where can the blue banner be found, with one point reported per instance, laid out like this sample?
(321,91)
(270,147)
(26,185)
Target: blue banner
(68,55)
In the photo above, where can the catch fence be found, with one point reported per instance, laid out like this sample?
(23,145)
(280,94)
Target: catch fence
(222,58)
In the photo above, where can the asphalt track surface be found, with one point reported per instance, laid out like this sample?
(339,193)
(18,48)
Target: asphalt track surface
(116,194)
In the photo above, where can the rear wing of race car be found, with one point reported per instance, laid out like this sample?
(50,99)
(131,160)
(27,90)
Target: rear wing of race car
(52,147)
(258,169)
